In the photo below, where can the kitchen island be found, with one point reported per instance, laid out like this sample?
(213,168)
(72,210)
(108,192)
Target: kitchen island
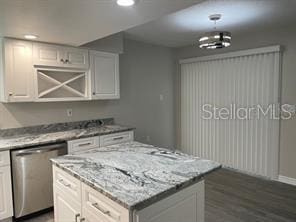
(130,182)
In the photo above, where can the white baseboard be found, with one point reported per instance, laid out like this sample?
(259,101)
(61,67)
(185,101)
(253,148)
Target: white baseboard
(288,180)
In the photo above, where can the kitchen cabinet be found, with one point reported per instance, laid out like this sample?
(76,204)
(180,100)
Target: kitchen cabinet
(41,72)
(66,209)
(104,75)
(99,141)
(59,56)
(6,208)
(187,203)
(17,74)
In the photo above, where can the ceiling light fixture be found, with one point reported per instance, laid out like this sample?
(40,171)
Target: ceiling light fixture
(126,2)
(215,39)
(30,36)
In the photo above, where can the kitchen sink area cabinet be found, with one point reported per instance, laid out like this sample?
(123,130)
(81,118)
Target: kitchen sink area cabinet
(6,207)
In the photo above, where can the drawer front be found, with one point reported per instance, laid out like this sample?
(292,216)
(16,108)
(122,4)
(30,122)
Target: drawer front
(116,138)
(4,158)
(103,207)
(67,183)
(83,144)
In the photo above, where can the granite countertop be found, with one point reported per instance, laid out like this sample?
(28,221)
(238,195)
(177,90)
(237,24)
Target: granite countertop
(133,174)
(39,138)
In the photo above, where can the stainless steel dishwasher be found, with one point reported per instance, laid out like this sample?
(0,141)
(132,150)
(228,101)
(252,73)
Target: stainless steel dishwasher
(32,178)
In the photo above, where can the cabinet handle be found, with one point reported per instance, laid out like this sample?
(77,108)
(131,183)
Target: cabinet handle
(67,61)
(85,144)
(62,60)
(82,219)
(10,93)
(76,217)
(118,138)
(96,205)
(65,184)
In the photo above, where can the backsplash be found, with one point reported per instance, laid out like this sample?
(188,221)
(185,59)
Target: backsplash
(56,127)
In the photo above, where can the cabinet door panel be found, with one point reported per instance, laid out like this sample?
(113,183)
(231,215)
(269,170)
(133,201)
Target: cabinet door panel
(65,208)
(47,55)
(6,209)
(105,75)
(18,71)
(76,58)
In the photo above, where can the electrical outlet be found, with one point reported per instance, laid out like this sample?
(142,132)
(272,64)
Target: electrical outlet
(161,97)
(69,112)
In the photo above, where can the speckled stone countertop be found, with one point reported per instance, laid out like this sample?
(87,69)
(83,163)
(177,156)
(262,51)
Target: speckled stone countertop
(133,174)
(55,133)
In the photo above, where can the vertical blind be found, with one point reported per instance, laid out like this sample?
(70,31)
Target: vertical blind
(243,79)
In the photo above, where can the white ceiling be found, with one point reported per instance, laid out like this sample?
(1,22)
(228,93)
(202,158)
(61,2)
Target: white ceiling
(238,16)
(76,22)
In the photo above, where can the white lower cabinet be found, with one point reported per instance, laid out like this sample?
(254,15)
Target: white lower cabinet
(66,208)
(85,144)
(6,208)
(92,206)
(186,205)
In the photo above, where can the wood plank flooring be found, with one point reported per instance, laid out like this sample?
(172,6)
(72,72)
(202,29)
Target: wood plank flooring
(236,197)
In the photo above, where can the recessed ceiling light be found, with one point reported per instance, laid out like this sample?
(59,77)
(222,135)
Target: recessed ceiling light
(126,2)
(30,36)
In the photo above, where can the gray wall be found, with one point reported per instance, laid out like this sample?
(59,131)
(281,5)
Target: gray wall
(285,37)
(145,73)
(113,43)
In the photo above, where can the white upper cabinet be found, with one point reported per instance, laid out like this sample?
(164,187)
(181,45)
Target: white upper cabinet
(47,55)
(104,75)
(17,75)
(41,72)
(76,58)
(59,56)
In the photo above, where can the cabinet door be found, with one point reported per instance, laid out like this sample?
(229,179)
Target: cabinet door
(6,209)
(18,77)
(48,55)
(105,75)
(76,58)
(65,208)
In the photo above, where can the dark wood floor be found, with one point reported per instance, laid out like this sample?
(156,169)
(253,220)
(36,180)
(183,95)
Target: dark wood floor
(236,197)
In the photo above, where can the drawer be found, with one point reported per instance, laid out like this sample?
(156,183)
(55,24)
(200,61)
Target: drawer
(116,138)
(103,207)
(83,144)
(4,158)
(67,183)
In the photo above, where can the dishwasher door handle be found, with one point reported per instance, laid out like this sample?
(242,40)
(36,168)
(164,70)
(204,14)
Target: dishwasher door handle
(38,151)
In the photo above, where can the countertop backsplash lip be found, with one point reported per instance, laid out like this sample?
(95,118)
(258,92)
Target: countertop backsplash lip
(59,133)
(125,174)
